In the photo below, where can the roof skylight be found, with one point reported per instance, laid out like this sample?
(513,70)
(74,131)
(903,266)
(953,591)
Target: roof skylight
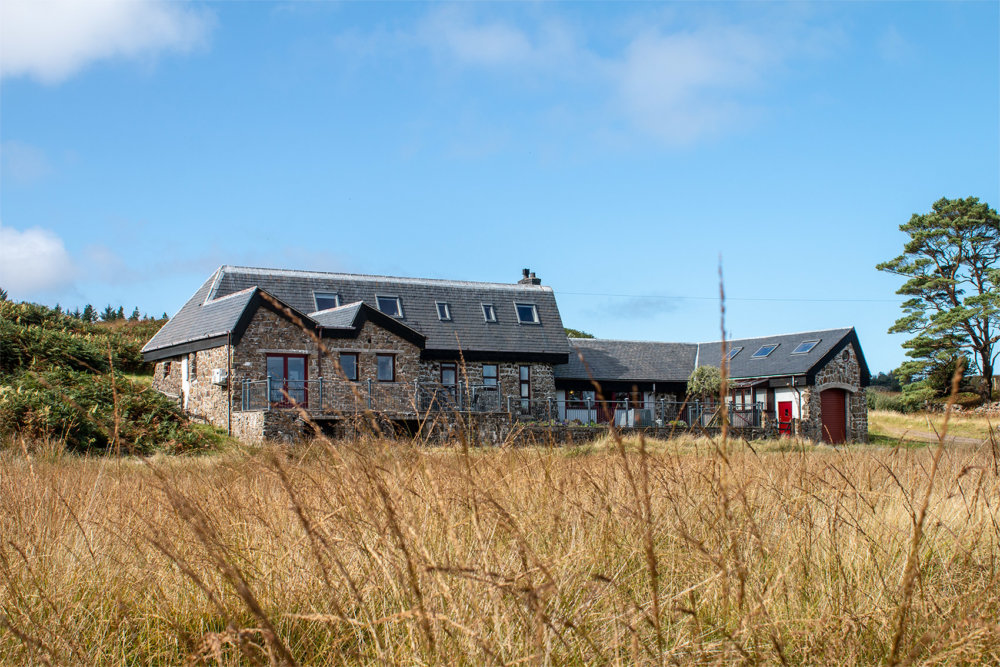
(733,351)
(805,346)
(444,310)
(526,313)
(764,351)
(390,305)
(325,300)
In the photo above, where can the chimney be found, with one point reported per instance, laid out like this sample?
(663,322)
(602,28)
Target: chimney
(528,278)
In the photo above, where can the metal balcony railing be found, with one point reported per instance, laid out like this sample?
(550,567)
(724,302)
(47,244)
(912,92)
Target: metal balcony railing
(346,397)
(630,414)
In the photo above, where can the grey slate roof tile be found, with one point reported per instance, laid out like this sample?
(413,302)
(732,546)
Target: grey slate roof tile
(467,329)
(202,317)
(342,317)
(626,360)
(620,360)
(780,362)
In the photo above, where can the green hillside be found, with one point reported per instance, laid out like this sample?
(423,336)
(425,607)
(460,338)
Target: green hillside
(68,379)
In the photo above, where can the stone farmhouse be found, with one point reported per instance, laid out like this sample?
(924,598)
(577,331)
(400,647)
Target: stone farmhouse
(257,350)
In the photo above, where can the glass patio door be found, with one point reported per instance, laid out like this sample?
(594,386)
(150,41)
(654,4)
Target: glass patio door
(287,373)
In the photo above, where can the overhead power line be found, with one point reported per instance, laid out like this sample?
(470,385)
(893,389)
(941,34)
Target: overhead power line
(728,298)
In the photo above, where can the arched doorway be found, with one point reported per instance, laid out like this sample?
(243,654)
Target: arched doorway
(833,406)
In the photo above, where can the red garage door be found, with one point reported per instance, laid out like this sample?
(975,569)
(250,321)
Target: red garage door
(834,419)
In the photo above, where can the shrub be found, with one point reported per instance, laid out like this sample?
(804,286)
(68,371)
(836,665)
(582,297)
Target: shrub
(887,400)
(81,409)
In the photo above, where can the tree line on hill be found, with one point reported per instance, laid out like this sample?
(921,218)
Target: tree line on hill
(91,314)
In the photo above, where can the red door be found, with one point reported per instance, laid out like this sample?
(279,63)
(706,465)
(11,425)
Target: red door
(832,402)
(784,417)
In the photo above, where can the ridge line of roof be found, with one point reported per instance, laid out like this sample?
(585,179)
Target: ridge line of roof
(629,340)
(228,296)
(791,333)
(353,304)
(214,288)
(252,270)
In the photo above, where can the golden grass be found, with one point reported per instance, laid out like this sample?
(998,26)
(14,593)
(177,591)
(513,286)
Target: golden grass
(896,424)
(380,552)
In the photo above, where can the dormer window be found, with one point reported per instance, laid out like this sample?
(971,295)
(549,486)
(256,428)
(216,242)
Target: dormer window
(326,300)
(390,305)
(489,314)
(805,346)
(733,351)
(444,310)
(764,351)
(527,313)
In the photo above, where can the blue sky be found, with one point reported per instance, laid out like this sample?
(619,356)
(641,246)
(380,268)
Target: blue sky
(618,150)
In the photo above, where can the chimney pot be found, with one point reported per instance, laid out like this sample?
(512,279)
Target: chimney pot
(529,278)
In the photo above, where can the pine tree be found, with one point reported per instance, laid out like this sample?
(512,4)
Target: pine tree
(89,314)
(134,317)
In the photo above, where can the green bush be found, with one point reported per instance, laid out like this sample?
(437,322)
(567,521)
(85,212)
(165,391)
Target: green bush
(56,383)
(964,399)
(81,409)
(886,400)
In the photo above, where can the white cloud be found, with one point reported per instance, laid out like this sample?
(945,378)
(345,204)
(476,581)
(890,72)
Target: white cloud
(23,163)
(33,261)
(678,84)
(686,85)
(52,39)
(458,37)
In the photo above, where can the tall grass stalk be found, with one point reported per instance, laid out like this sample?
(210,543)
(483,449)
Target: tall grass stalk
(382,552)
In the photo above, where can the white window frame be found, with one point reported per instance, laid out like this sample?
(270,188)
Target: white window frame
(493,312)
(326,295)
(447,310)
(534,311)
(399,305)
(733,351)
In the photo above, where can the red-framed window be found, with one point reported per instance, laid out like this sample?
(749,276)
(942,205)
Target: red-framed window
(289,376)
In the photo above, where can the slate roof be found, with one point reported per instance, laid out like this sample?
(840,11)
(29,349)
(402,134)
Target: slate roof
(202,318)
(626,360)
(638,361)
(342,317)
(781,361)
(467,330)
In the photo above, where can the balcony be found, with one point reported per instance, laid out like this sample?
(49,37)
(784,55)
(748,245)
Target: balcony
(345,398)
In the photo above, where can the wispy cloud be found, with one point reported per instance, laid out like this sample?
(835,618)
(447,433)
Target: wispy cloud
(54,39)
(637,308)
(677,81)
(460,38)
(23,163)
(893,47)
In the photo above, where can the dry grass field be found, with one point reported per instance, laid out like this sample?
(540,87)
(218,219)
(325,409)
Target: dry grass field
(897,424)
(380,552)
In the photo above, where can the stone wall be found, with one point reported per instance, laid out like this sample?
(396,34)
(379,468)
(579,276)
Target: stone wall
(256,426)
(842,372)
(542,378)
(167,376)
(205,401)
